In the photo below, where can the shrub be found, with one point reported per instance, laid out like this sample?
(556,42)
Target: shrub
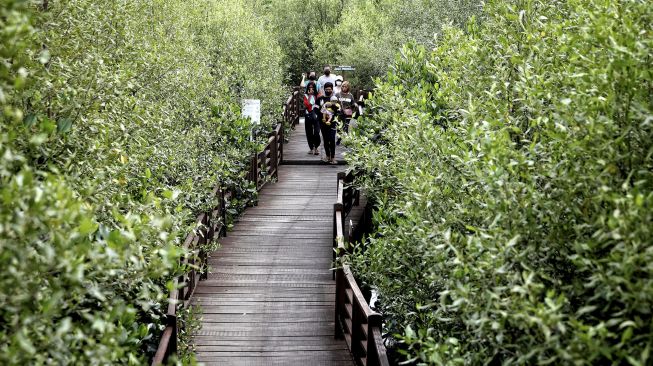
(512,170)
(369,32)
(295,24)
(118,118)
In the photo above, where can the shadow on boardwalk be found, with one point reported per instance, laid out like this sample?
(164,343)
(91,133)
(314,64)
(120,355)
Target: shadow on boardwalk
(269,299)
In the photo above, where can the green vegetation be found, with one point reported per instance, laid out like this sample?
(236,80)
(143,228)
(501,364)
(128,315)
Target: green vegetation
(363,33)
(510,159)
(118,118)
(370,33)
(512,169)
(294,23)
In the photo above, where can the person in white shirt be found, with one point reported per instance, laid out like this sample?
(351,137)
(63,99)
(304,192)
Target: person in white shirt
(327,77)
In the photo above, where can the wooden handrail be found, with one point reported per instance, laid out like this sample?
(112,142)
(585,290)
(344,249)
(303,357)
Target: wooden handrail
(354,319)
(359,325)
(168,343)
(341,191)
(164,349)
(212,224)
(339,215)
(293,106)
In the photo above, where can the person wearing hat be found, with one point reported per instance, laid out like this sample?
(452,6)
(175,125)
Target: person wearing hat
(327,77)
(337,85)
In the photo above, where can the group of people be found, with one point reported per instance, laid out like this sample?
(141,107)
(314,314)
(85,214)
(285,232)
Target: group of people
(330,105)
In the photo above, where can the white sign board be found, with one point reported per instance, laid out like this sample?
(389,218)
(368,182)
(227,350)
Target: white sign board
(252,109)
(344,68)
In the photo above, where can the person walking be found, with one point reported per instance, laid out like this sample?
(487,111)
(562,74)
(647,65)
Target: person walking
(311,122)
(347,104)
(311,77)
(337,85)
(329,108)
(327,77)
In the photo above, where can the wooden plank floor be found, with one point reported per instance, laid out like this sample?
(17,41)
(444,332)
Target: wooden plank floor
(269,298)
(296,151)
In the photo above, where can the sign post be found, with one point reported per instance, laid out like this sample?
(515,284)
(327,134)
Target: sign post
(344,68)
(252,110)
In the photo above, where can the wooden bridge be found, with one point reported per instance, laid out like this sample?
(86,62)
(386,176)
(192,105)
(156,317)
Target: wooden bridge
(269,297)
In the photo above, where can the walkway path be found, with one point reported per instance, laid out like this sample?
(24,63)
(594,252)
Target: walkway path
(269,299)
(296,151)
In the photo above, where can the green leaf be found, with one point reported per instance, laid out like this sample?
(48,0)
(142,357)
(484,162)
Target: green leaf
(30,120)
(64,125)
(48,125)
(38,139)
(64,327)
(25,343)
(44,57)
(87,226)
(409,332)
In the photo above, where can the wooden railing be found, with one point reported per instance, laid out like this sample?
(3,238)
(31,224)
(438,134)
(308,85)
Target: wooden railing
(355,321)
(293,106)
(265,164)
(347,198)
(211,225)
(360,325)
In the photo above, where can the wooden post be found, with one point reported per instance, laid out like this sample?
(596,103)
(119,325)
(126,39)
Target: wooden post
(172,347)
(273,155)
(341,176)
(297,108)
(260,167)
(373,322)
(357,318)
(345,237)
(207,230)
(281,141)
(180,280)
(254,165)
(223,213)
(338,334)
(337,219)
(335,238)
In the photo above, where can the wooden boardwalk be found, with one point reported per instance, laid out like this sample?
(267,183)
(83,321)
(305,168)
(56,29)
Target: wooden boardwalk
(269,298)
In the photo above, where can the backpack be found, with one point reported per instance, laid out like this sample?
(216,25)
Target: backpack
(347,112)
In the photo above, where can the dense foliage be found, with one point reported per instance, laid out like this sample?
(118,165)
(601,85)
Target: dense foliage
(362,33)
(512,168)
(118,118)
(510,158)
(294,24)
(370,33)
